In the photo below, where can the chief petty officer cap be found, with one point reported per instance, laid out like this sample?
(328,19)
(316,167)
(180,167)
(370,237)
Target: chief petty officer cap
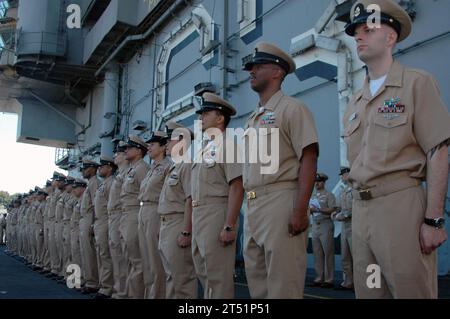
(157,136)
(136,141)
(106,160)
(344,170)
(79,183)
(86,163)
(58,177)
(121,147)
(266,53)
(40,191)
(174,130)
(210,101)
(320,177)
(391,14)
(70,180)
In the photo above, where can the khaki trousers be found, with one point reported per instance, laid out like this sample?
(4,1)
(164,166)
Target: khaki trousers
(47,259)
(323,249)
(89,268)
(75,252)
(346,253)
(39,240)
(153,270)
(214,264)
(178,264)
(53,249)
(129,231)
(275,263)
(385,232)
(105,267)
(117,255)
(66,246)
(59,247)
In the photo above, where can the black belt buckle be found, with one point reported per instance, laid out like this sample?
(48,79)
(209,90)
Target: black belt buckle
(365,194)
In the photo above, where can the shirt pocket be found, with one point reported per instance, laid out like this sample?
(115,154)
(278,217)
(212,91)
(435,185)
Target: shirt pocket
(390,134)
(173,180)
(352,138)
(129,184)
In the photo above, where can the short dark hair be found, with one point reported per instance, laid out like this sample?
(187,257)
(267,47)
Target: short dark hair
(227,118)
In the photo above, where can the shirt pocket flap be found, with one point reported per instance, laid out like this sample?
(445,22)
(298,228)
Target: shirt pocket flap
(390,123)
(352,127)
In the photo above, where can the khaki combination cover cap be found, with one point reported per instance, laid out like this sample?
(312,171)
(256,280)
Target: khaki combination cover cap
(136,141)
(321,177)
(269,53)
(174,130)
(157,136)
(211,101)
(392,14)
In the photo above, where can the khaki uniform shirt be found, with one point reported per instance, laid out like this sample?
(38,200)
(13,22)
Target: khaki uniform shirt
(211,178)
(326,200)
(40,216)
(53,200)
(76,216)
(114,203)
(68,207)
(59,213)
(152,184)
(87,200)
(296,131)
(131,185)
(389,134)
(176,189)
(101,199)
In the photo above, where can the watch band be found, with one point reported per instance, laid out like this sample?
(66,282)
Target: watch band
(435,222)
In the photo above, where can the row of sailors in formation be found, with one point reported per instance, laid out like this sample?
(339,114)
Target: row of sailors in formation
(155,231)
(128,233)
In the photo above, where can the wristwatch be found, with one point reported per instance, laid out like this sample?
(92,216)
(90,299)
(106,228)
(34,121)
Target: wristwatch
(228,228)
(435,222)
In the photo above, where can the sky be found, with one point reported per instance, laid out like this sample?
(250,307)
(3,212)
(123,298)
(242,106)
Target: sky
(22,166)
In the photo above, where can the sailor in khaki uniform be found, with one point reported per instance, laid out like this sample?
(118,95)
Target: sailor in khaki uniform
(64,200)
(344,215)
(105,170)
(79,188)
(59,212)
(175,209)
(276,220)
(70,202)
(217,195)
(58,185)
(46,250)
(89,266)
(323,233)
(397,130)
(39,234)
(154,274)
(134,153)
(120,269)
